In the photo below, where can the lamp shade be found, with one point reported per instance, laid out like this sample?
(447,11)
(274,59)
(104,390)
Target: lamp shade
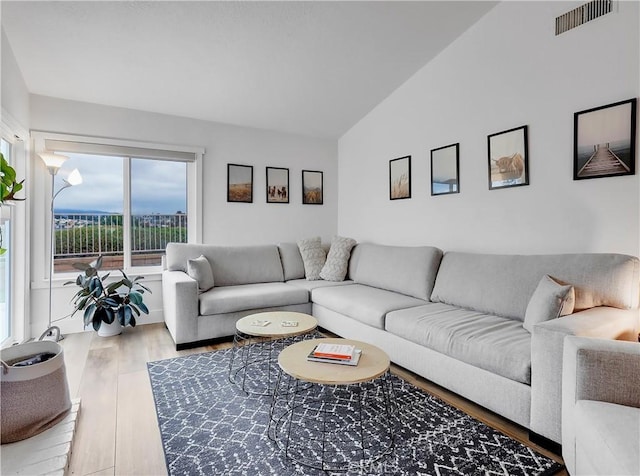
(74,178)
(53,161)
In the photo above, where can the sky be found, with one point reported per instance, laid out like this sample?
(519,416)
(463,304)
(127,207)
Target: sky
(157,186)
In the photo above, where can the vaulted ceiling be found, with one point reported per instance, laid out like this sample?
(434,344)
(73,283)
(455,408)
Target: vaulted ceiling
(312,68)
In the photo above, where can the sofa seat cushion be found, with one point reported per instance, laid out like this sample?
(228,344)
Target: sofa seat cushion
(311,285)
(366,304)
(497,344)
(607,436)
(226,299)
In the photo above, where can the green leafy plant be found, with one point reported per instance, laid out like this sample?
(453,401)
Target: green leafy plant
(8,185)
(102,302)
(8,189)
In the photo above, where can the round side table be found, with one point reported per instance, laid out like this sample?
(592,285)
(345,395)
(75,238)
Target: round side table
(333,417)
(258,340)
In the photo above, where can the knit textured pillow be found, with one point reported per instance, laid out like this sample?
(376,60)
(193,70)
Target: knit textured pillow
(337,264)
(550,300)
(313,257)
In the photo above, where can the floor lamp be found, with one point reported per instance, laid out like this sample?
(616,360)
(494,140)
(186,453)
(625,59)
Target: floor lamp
(53,163)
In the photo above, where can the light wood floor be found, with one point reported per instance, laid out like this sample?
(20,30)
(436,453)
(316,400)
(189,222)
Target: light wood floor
(117,433)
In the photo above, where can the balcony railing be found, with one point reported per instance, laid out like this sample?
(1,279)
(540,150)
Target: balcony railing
(79,236)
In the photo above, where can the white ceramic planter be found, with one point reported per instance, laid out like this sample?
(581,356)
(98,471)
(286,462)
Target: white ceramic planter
(108,330)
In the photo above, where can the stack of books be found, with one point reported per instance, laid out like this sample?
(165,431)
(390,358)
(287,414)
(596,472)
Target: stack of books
(335,354)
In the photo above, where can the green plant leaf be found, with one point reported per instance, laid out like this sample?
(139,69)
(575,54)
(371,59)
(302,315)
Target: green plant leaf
(135,298)
(132,322)
(143,308)
(127,315)
(88,314)
(96,323)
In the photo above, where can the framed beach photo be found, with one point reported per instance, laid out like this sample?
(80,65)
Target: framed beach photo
(277,185)
(508,158)
(604,141)
(239,183)
(445,177)
(312,187)
(400,178)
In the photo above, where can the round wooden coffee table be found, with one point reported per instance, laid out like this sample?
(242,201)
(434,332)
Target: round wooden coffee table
(330,416)
(258,340)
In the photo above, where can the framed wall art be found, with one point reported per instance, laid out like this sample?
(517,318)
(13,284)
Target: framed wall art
(239,183)
(445,165)
(604,141)
(312,187)
(400,178)
(508,158)
(277,185)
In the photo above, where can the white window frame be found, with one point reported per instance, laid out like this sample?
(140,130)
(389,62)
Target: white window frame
(17,136)
(192,156)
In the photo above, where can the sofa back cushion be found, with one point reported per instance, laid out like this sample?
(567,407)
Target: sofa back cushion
(231,265)
(292,263)
(404,269)
(503,284)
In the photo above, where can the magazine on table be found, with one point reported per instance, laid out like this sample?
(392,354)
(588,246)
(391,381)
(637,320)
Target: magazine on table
(353,360)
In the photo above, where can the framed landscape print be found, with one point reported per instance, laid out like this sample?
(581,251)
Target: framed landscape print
(508,158)
(277,185)
(400,178)
(604,141)
(239,183)
(312,187)
(445,170)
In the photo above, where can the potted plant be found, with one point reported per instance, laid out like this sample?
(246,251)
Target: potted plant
(9,186)
(115,305)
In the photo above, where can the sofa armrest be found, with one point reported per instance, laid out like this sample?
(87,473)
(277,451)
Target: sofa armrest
(596,369)
(546,358)
(180,303)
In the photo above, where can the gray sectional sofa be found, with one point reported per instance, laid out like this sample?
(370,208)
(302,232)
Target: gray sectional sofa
(453,318)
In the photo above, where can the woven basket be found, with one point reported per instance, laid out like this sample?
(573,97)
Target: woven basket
(36,397)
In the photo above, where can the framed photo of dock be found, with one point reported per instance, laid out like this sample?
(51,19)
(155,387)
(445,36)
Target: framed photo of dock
(508,158)
(239,183)
(444,170)
(277,185)
(604,141)
(312,187)
(400,178)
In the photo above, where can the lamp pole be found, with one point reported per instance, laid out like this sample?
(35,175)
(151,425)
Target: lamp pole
(53,163)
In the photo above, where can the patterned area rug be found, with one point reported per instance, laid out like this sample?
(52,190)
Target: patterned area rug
(210,427)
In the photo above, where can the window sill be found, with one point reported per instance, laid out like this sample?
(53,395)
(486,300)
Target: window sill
(150,276)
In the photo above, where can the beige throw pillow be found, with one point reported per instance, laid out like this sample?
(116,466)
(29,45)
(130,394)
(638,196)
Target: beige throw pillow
(337,264)
(313,257)
(200,270)
(550,300)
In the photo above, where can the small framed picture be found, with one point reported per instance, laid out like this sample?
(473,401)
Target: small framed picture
(508,158)
(312,187)
(239,183)
(400,178)
(277,185)
(445,177)
(604,141)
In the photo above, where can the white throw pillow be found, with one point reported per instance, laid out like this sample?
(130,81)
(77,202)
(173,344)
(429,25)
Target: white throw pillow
(550,300)
(313,257)
(200,270)
(337,264)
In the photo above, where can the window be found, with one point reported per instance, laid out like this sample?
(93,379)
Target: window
(134,199)
(5,260)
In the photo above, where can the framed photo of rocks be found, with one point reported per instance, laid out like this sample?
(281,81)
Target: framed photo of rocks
(508,158)
(604,141)
(312,187)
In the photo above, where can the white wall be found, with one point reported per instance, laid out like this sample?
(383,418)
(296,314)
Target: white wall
(506,71)
(224,223)
(15,96)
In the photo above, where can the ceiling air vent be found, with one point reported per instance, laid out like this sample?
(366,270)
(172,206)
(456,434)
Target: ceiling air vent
(583,14)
